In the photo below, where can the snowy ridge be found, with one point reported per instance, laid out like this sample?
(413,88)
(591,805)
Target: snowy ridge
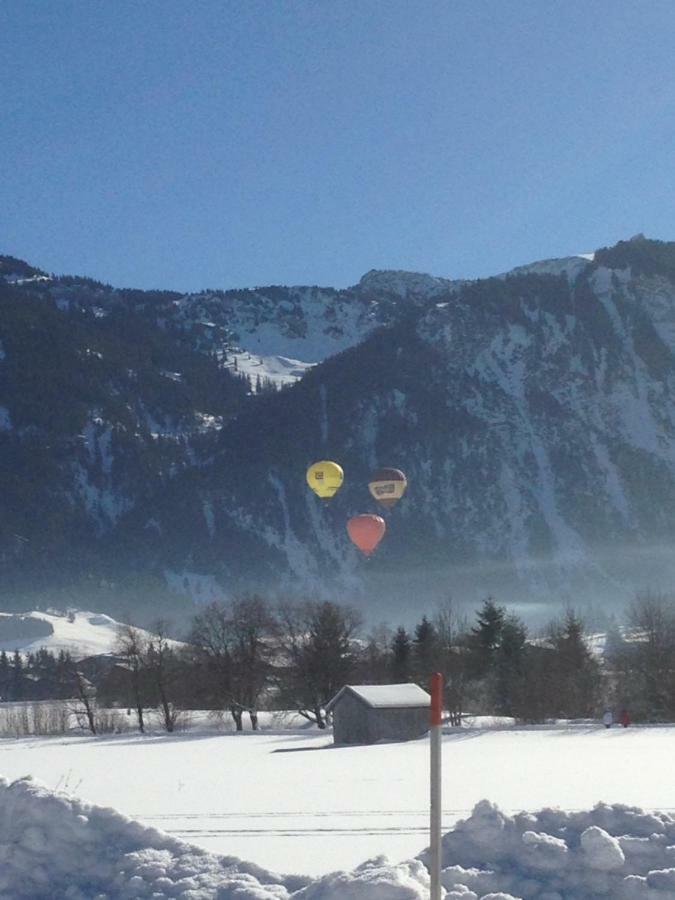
(406,284)
(612,851)
(81,633)
(277,333)
(571,266)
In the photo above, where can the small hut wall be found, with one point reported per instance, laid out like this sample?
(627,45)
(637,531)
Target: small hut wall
(351,721)
(398,724)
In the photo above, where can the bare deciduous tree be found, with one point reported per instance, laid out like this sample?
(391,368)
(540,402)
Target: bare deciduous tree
(452,632)
(161,664)
(646,666)
(236,640)
(131,646)
(85,692)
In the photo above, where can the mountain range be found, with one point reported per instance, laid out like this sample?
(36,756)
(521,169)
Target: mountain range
(153,445)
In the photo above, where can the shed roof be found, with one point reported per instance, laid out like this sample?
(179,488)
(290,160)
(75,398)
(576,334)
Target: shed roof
(383,696)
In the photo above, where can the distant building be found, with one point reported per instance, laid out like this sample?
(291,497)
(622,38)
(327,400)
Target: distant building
(367,713)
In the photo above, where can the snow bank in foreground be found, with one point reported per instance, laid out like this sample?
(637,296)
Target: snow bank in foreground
(53,846)
(612,851)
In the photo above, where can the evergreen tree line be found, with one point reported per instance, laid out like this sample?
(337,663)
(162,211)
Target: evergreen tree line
(246,655)
(42,675)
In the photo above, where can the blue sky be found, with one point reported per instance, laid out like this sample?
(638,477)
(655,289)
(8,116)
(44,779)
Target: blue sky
(222,144)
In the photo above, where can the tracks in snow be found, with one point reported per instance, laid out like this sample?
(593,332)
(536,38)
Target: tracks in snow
(298,823)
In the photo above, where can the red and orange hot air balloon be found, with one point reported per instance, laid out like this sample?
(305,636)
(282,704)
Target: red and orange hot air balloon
(366,531)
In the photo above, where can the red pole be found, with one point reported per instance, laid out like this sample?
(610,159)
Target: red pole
(436,698)
(436,718)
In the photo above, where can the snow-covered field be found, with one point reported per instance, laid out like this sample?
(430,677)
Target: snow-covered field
(291,802)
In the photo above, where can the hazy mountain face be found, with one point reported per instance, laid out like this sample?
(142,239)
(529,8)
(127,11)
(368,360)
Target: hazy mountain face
(533,414)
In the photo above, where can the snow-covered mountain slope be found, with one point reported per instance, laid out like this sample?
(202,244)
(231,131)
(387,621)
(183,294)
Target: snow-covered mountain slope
(262,371)
(96,411)
(304,325)
(534,417)
(138,385)
(81,633)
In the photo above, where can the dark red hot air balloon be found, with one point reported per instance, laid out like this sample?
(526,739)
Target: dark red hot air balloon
(366,531)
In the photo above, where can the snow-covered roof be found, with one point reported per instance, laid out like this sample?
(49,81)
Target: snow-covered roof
(382,696)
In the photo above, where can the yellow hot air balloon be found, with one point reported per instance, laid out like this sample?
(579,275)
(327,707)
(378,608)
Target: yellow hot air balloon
(325,478)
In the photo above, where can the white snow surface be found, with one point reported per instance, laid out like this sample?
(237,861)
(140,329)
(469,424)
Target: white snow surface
(13,278)
(55,846)
(564,828)
(89,634)
(280,370)
(278,334)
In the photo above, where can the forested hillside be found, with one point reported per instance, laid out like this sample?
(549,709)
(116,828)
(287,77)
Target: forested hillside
(533,413)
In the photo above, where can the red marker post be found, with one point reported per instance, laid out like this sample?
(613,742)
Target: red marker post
(435,783)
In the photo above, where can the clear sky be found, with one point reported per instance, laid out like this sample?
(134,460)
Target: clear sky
(224,143)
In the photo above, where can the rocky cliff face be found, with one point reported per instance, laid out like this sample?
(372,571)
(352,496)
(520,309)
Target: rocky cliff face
(533,413)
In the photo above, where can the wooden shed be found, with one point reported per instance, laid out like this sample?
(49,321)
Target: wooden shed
(366,713)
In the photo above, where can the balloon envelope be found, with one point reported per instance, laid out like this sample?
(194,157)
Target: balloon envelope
(387,486)
(366,531)
(325,477)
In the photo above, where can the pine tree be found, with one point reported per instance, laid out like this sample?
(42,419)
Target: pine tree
(615,644)
(4,676)
(317,639)
(425,647)
(577,673)
(17,678)
(486,637)
(510,667)
(401,655)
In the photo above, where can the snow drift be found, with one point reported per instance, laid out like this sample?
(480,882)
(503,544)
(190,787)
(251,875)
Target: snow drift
(612,851)
(55,846)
